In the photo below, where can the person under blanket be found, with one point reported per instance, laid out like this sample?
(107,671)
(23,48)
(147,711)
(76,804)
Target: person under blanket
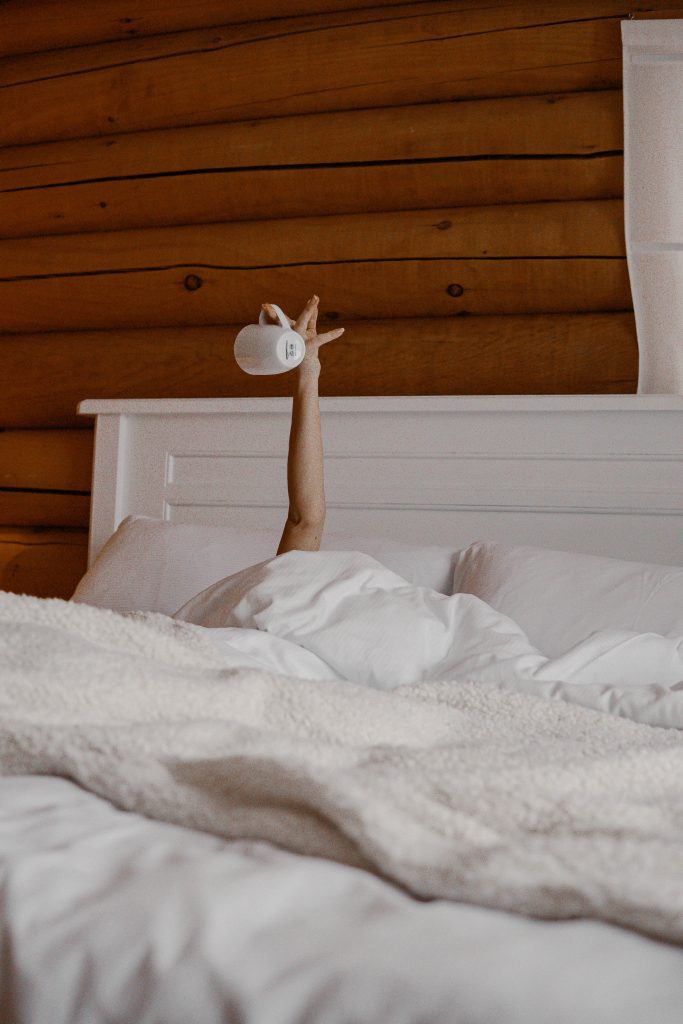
(343,615)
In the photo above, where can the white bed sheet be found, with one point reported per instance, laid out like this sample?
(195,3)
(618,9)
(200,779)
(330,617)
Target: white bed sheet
(109,916)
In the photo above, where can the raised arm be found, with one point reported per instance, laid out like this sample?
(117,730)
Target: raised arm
(306,516)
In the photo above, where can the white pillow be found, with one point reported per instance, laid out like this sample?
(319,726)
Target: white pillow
(152,565)
(560,598)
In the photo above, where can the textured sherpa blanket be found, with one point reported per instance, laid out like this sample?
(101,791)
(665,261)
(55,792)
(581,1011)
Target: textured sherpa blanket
(457,790)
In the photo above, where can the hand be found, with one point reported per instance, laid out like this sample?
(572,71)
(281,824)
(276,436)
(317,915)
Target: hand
(305,325)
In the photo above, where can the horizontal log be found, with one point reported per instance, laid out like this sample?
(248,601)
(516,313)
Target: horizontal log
(539,257)
(52,460)
(381,288)
(79,22)
(264,194)
(42,562)
(44,508)
(349,162)
(579,124)
(164,81)
(590,228)
(27,26)
(47,375)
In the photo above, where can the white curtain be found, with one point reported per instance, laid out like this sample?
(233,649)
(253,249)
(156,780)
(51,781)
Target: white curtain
(653,196)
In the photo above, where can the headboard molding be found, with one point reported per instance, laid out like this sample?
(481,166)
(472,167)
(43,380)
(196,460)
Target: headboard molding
(601,474)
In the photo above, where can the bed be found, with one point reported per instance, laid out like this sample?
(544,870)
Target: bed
(119,906)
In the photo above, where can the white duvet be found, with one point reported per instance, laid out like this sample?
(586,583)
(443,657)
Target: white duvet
(457,789)
(343,615)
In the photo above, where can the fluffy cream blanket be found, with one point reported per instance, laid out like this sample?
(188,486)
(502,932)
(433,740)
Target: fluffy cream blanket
(457,790)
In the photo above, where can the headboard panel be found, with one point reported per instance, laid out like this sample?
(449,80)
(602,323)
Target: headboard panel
(601,474)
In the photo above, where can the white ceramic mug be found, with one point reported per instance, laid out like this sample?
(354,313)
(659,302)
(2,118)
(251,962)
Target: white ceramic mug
(269,348)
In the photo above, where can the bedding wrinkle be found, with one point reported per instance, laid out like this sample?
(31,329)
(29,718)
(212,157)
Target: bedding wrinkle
(626,658)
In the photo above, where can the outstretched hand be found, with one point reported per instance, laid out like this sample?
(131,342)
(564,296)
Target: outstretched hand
(306,326)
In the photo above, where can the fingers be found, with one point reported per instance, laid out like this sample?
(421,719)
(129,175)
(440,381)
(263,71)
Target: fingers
(302,323)
(272,315)
(307,321)
(313,319)
(330,336)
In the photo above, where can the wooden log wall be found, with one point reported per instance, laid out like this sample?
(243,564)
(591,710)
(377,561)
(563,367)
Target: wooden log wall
(447,175)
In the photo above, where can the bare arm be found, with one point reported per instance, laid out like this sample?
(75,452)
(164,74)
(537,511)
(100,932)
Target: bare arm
(306,516)
(305,484)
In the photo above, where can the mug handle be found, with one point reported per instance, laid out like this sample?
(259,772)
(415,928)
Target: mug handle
(281,316)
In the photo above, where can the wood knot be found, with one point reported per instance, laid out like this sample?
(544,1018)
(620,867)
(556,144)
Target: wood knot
(193,282)
(455,290)
(443,225)
(102,204)
(332,315)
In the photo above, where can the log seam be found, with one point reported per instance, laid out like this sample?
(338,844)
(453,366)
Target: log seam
(298,263)
(398,162)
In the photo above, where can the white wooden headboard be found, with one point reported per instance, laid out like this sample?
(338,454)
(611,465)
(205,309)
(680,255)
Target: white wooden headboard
(601,474)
